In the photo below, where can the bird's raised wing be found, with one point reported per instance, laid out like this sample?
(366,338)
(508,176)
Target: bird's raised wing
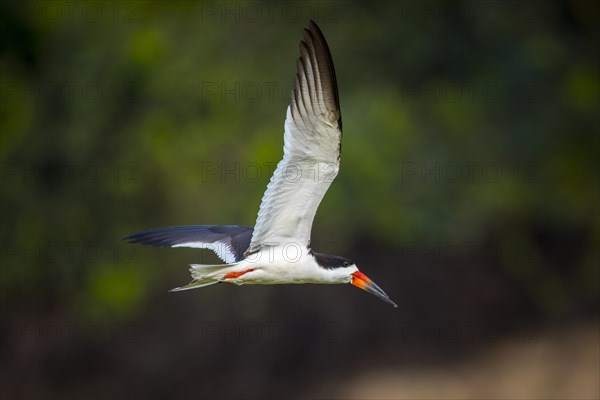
(311,151)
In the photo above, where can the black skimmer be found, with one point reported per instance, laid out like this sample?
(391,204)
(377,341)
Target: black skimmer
(277,249)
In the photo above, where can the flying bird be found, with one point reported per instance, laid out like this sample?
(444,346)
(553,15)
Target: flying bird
(277,249)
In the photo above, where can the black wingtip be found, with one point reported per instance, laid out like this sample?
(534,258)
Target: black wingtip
(147,239)
(314,37)
(313,29)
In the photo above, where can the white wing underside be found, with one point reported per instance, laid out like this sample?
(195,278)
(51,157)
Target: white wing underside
(312,146)
(221,249)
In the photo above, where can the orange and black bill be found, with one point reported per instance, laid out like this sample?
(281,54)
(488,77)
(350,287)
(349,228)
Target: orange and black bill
(360,280)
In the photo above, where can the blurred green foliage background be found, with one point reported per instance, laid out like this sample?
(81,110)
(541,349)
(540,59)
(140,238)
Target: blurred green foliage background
(468,187)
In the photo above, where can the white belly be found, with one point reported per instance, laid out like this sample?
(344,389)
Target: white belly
(289,263)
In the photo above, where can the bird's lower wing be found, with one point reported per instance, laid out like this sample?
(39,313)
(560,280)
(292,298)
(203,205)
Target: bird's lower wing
(229,242)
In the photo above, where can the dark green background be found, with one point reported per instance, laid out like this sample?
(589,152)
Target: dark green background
(468,190)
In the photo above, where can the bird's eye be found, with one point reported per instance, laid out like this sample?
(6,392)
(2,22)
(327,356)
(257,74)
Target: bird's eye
(346,263)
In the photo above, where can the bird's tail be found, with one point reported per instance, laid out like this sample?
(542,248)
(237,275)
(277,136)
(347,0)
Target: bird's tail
(204,275)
